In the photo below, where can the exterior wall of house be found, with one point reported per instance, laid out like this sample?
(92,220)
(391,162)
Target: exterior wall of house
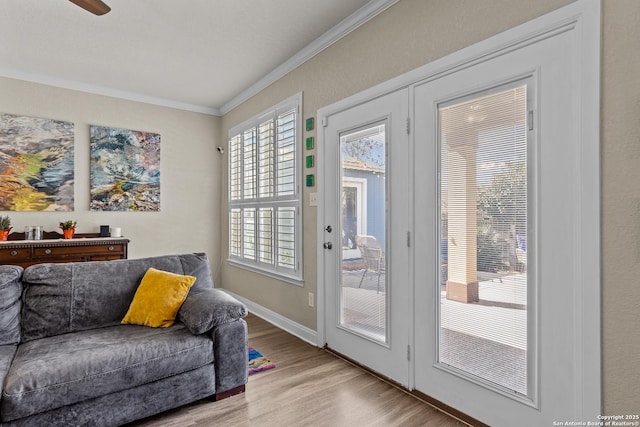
(375,211)
(415,32)
(190,169)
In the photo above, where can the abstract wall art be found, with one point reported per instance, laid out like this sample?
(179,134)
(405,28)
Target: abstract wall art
(36,164)
(125,170)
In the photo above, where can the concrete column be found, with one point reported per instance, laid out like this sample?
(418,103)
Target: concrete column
(462,283)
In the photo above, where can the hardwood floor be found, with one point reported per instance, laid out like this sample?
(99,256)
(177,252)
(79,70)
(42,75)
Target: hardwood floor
(308,387)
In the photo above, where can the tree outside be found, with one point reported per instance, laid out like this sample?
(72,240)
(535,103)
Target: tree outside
(502,219)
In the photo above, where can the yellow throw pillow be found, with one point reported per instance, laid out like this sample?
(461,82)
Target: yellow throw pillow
(158,299)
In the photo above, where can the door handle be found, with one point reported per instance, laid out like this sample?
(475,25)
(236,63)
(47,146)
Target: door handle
(328,245)
(329,229)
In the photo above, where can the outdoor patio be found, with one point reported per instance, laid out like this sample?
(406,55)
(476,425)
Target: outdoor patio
(487,338)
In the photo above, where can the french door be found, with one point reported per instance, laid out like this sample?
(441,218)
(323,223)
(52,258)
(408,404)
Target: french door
(482,289)
(496,278)
(365,234)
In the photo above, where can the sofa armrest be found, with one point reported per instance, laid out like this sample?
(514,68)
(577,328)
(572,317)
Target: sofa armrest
(10,306)
(205,309)
(230,354)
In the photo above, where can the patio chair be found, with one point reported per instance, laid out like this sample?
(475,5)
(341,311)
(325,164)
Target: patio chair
(372,255)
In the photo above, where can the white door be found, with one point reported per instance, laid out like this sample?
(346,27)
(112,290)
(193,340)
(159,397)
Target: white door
(365,148)
(497,247)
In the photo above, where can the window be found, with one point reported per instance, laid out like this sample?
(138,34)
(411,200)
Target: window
(265,231)
(483,234)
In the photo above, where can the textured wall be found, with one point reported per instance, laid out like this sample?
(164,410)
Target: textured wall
(620,148)
(190,168)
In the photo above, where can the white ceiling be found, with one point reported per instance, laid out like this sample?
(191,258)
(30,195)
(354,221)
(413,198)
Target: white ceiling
(198,55)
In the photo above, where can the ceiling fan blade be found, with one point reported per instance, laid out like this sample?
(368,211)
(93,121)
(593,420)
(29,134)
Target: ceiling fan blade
(97,7)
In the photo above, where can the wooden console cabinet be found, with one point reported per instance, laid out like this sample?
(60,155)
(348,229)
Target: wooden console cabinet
(84,247)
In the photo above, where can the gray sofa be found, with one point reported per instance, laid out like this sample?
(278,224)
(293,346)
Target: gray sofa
(65,359)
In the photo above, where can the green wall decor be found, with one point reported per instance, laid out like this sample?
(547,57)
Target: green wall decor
(309,160)
(310,180)
(309,143)
(309,124)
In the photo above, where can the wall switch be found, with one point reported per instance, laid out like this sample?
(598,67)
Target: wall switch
(313,199)
(311,299)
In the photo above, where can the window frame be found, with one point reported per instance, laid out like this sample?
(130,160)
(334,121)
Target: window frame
(238,205)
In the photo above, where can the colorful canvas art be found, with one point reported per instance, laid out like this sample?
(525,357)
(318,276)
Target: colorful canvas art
(125,170)
(36,164)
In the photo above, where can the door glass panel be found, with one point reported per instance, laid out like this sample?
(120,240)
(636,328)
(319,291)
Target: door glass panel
(483,237)
(363,284)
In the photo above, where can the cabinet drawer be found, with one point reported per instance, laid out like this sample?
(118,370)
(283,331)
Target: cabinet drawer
(70,251)
(7,256)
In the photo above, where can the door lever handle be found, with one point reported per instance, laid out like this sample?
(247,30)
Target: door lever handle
(328,245)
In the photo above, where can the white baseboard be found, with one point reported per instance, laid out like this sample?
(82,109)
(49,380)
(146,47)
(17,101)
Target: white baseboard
(288,325)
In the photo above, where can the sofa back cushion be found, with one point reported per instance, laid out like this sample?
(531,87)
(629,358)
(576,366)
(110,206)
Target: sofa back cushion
(10,289)
(63,298)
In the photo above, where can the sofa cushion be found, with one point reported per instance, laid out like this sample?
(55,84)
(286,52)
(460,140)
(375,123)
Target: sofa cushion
(158,299)
(205,309)
(6,357)
(132,404)
(56,371)
(69,297)
(10,290)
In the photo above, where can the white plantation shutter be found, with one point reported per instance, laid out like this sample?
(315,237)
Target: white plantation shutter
(250,162)
(235,168)
(266,159)
(286,153)
(235,232)
(265,242)
(286,237)
(249,233)
(264,192)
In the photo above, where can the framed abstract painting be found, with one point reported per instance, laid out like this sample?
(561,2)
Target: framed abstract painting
(125,170)
(36,164)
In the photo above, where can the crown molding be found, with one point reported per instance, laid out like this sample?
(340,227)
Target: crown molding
(349,24)
(353,21)
(106,91)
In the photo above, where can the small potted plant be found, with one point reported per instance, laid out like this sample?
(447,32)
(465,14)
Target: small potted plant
(68,229)
(5,227)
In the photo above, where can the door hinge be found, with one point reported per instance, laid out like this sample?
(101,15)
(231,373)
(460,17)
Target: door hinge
(530,119)
(409,353)
(408,125)
(408,239)
(324,121)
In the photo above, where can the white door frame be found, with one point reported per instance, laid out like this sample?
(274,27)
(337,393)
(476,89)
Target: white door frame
(583,19)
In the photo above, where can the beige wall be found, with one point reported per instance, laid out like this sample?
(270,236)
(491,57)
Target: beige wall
(190,169)
(415,32)
(620,148)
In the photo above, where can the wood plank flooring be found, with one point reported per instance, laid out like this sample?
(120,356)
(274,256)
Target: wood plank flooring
(308,387)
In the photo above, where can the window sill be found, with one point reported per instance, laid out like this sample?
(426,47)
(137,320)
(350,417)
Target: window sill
(273,274)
